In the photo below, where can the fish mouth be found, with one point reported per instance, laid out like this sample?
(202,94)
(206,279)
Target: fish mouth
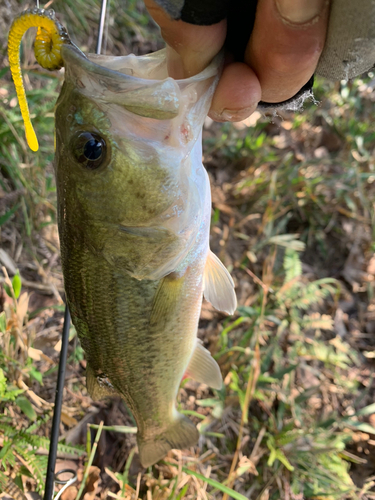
(151,68)
(140,84)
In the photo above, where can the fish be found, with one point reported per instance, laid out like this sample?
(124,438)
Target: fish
(134,211)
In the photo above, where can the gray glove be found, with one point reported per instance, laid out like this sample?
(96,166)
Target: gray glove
(350,45)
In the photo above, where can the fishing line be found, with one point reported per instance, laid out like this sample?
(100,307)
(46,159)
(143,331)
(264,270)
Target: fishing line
(51,477)
(99,42)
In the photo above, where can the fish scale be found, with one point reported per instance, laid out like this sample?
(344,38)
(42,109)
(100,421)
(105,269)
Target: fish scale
(120,309)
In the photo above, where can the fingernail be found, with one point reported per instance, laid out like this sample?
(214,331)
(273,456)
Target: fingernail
(232,115)
(299,11)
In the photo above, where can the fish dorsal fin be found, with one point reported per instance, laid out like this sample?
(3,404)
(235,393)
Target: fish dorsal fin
(203,368)
(218,285)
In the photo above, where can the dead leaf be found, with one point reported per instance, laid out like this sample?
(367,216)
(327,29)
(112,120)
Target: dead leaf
(321,152)
(38,355)
(57,346)
(339,324)
(280,141)
(92,482)
(8,262)
(22,306)
(246,465)
(265,495)
(129,494)
(70,493)
(371,419)
(371,266)
(68,420)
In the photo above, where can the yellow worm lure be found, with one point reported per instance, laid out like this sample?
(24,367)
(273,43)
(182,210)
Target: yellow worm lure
(47,47)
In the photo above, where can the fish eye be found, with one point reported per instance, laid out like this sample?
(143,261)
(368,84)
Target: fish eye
(89,149)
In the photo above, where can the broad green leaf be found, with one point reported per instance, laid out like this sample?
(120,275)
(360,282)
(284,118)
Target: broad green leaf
(367,410)
(3,383)
(17,285)
(25,405)
(7,290)
(3,322)
(361,426)
(25,471)
(36,374)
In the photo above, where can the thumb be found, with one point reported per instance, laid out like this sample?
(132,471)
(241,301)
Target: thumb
(191,47)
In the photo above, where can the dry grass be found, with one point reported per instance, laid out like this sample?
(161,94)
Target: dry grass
(293,221)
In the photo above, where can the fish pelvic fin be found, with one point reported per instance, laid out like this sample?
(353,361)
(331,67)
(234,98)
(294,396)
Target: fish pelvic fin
(203,368)
(218,285)
(181,434)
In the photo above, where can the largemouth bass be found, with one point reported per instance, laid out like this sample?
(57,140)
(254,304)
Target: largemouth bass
(134,211)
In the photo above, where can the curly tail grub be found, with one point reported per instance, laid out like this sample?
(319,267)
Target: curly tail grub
(49,39)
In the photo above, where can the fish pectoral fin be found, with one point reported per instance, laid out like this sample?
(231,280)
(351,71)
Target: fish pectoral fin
(181,434)
(218,285)
(203,368)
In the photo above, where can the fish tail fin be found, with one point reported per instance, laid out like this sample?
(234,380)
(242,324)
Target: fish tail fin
(181,434)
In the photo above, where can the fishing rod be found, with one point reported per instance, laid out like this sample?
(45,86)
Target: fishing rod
(51,476)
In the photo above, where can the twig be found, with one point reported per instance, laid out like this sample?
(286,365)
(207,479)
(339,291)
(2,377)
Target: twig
(123,429)
(138,485)
(250,389)
(89,463)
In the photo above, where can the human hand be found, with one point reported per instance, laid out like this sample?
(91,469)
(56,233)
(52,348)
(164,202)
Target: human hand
(280,57)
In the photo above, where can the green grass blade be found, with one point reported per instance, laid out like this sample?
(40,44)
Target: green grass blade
(123,429)
(215,484)
(8,214)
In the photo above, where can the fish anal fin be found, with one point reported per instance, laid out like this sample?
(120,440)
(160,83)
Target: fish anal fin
(98,386)
(181,434)
(203,368)
(218,285)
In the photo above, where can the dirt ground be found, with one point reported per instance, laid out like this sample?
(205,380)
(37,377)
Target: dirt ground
(297,185)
